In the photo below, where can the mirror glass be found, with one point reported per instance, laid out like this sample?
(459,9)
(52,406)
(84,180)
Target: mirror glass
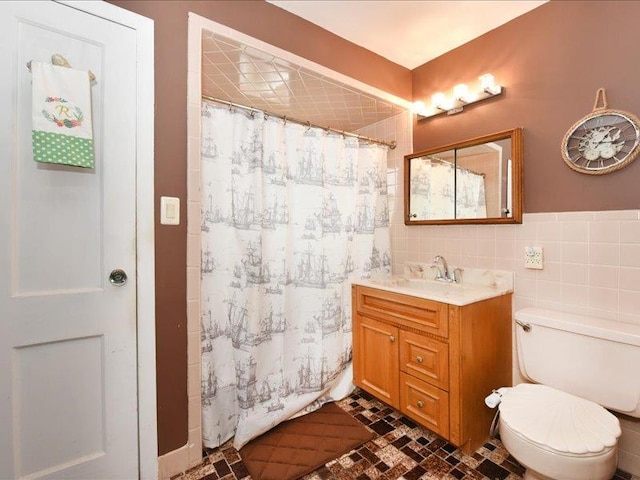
(474,181)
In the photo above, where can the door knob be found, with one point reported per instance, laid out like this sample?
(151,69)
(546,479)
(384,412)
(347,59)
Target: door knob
(419,359)
(420,404)
(392,338)
(118,277)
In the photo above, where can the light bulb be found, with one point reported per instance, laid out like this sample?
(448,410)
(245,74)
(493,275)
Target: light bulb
(487,81)
(438,100)
(461,92)
(419,107)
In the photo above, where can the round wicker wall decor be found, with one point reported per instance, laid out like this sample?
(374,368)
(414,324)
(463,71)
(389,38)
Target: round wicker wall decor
(602,142)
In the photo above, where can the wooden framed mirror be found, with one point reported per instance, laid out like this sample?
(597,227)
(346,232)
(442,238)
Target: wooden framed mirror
(473,181)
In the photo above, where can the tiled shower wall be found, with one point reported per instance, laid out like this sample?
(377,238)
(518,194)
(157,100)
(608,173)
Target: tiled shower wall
(591,259)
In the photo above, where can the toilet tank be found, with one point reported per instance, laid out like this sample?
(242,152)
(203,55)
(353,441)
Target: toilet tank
(589,357)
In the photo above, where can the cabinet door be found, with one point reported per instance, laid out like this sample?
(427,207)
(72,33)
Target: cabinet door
(375,359)
(425,403)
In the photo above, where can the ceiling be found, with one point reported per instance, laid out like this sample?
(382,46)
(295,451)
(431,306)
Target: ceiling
(408,32)
(245,75)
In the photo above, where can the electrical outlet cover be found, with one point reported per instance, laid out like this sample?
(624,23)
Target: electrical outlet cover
(533,258)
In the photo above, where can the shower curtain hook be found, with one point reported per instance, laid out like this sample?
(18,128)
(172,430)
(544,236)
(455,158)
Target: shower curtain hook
(284,117)
(327,130)
(308,125)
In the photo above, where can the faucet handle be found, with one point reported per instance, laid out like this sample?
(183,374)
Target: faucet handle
(414,270)
(439,275)
(457,274)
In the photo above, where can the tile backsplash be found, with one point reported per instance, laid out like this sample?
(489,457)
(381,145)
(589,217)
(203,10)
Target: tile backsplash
(591,259)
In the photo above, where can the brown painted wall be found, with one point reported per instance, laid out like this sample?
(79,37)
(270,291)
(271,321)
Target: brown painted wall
(551,60)
(270,24)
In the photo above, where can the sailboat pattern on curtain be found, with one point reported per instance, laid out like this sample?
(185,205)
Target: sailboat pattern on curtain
(437,186)
(289,215)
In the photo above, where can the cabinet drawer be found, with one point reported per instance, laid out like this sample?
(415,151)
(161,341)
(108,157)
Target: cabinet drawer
(425,358)
(426,404)
(406,310)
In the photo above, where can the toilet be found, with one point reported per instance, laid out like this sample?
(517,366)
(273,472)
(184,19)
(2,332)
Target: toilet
(558,427)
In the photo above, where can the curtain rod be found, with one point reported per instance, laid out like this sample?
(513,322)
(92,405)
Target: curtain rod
(391,144)
(447,162)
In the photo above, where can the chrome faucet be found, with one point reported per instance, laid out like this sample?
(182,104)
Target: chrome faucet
(442,276)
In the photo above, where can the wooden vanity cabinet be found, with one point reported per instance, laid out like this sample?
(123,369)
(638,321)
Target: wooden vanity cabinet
(432,361)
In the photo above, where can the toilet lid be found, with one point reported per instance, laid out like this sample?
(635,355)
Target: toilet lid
(557,420)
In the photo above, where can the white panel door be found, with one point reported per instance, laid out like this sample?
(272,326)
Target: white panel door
(68,400)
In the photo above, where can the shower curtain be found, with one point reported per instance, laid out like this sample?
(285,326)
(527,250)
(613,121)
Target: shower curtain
(290,214)
(435,185)
(471,200)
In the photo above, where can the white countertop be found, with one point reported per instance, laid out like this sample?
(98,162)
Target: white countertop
(483,284)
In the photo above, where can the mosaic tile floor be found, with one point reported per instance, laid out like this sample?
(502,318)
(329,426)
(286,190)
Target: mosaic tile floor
(402,450)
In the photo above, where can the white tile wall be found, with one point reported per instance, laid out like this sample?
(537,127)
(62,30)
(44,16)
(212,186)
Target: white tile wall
(591,259)
(194,441)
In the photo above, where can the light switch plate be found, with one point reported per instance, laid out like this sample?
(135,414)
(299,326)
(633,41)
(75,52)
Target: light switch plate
(169,210)
(533,258)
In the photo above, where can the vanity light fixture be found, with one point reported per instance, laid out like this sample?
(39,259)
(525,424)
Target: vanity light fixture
(462,96)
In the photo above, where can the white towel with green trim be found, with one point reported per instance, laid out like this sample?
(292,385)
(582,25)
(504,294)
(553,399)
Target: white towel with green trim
(61,112)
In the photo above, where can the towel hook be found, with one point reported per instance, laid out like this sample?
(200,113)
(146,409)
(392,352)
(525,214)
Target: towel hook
(60,61)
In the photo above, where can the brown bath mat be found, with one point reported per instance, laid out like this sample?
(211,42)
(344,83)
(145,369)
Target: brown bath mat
(299,446)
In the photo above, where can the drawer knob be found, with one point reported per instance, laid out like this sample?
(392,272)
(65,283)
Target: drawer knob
(420,404)
(419,359)
(392,338)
